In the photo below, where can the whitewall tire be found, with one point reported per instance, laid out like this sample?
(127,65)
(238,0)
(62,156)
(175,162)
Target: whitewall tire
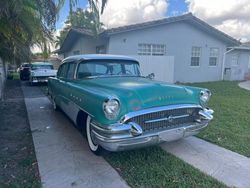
(55,107)
(95,148)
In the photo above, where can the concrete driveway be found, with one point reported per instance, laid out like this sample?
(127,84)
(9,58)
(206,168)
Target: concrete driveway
(64,159)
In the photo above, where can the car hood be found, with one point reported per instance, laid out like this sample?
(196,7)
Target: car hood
(139,93)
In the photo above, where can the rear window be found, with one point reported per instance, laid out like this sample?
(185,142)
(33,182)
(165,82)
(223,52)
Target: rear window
(35,67)
(26,65)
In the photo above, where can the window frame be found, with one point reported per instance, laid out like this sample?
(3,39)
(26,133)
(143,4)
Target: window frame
(70,63)
(200,55)
(67,64)
(90,61)
(151,49)
(213,56)
(59,70)
(238,62)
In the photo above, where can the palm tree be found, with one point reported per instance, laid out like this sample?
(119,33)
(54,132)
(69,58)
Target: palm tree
(82,18)
(22,24)
(96,6)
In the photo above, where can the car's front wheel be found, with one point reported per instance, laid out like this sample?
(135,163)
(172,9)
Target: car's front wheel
(95,148)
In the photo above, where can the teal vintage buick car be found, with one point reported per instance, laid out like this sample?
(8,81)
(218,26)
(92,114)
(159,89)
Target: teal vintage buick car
(118,109)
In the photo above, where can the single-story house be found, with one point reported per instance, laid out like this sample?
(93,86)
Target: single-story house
(177,49)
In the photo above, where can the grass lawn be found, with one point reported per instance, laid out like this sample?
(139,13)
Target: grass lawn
(231,125)
(18,164)
(13,76)
(16,76)
(153,167)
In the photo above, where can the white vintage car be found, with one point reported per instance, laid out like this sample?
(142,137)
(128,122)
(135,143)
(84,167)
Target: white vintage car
(41,71)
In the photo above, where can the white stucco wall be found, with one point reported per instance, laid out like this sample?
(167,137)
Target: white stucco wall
(163,67)
(240,71)
(179,39)
(86,45)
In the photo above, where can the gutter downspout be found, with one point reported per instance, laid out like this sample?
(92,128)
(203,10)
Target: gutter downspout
(223,62)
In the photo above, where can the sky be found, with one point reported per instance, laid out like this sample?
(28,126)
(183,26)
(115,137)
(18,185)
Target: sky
(229,16)
(175,7)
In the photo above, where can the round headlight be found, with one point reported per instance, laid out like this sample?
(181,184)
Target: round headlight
(204,97)
(111,108)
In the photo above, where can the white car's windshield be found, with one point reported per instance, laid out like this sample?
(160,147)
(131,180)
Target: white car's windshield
(106,68)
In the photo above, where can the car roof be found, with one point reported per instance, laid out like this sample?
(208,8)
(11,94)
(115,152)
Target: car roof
(25,64)
(98,56)
(41,63)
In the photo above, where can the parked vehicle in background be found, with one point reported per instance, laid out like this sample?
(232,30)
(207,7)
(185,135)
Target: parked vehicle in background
(41,71)
(24,71)
(119,109)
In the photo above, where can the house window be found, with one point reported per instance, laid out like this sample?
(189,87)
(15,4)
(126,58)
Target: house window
(214,55)
(77,52)
(235,60)
(100,49)
(195,56)
(151,49)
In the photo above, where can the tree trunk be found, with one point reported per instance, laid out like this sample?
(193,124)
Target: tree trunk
(2,84)
(4,69)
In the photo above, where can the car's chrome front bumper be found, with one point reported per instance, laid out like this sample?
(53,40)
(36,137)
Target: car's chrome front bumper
(122,136)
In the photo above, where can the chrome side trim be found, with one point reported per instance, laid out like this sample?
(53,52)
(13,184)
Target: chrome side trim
(169,118)
(157,109)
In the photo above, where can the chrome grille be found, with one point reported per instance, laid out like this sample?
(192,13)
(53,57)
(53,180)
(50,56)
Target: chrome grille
(166,119)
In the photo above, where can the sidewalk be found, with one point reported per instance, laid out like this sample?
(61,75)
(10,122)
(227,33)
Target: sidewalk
(245,85)
(226,166)
(64,159)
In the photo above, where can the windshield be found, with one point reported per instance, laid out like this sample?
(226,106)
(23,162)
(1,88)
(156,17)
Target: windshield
(25,65)
(106,68)
(34,67)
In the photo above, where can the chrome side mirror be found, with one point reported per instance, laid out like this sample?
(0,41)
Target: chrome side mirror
(151,76)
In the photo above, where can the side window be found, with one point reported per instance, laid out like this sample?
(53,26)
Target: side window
(71,70)
(63,70)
